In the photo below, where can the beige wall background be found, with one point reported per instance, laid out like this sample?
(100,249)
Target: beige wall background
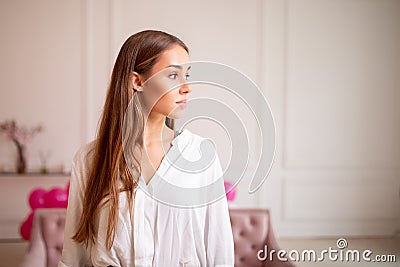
(329,69)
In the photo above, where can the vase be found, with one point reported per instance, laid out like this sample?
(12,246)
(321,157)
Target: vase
(21,159)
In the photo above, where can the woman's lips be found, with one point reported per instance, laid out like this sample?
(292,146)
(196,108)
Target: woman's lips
(182,101)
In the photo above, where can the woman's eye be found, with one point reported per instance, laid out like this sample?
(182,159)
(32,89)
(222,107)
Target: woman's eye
(187,76)
(173,75)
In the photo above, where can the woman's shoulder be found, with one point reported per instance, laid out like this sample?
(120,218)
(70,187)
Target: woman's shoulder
(194,139)
(193,146)
(84,155)
(190,137)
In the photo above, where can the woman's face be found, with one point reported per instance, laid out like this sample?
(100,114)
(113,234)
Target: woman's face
(165,91)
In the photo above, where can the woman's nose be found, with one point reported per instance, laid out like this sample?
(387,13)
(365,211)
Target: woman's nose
(185,89)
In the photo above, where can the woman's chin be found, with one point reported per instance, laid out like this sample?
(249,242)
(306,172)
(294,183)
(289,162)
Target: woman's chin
(176,114)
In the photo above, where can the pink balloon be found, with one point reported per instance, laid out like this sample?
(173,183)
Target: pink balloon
(230,191)
(26,227)
(67,188)
(56,198)
(25,230)
(36,198)
(29,220)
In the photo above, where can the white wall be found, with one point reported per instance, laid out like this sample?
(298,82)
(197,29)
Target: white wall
(41,72)
(330,70)
(332,75)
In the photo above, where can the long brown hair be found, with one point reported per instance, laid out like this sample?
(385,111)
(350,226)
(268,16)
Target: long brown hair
(109,168)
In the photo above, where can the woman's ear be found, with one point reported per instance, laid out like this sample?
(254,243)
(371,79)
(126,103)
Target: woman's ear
(136,81)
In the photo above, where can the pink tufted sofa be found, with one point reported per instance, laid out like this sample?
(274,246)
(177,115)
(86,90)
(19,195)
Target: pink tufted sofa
(47,238)
(252,230)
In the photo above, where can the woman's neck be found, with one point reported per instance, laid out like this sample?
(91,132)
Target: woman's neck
(155,130)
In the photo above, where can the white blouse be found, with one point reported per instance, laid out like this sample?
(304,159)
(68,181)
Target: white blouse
(163,235)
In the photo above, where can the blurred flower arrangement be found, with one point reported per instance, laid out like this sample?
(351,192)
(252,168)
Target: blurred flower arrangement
(21,136)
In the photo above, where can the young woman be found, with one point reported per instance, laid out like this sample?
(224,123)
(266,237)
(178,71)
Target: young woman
(112,220)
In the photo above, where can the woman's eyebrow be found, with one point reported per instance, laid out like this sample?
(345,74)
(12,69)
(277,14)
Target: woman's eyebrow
(178,67)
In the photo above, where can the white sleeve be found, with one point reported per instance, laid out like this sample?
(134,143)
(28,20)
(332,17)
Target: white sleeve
(75,254)
(121,250)
(218,229)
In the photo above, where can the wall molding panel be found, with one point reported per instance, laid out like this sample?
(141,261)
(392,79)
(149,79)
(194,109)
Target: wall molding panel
(338,174)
